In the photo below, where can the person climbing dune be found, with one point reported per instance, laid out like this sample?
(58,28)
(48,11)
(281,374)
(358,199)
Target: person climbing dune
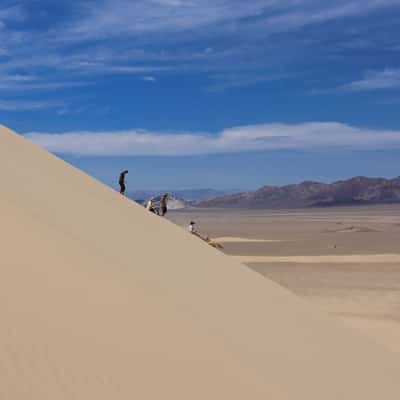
(121,181)
(163,204)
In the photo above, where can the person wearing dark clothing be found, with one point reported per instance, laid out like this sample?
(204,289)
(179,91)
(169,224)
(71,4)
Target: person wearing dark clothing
(122,181)
(163,204)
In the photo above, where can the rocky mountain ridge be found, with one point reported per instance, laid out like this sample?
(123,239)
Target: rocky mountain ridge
(357,190)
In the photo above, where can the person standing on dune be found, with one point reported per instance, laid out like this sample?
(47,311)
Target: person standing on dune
(163,204)
(122,181)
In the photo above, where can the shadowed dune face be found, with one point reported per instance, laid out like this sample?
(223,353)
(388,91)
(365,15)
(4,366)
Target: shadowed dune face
(102,300)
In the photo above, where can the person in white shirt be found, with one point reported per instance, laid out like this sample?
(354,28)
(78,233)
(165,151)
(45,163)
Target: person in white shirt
(151,206)
(194,231)
(192,228)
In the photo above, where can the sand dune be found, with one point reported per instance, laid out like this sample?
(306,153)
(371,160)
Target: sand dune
(348,259)
(102,300)
(387,332)
(229,239)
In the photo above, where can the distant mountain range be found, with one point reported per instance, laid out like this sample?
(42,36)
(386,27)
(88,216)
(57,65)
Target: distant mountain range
(355,191)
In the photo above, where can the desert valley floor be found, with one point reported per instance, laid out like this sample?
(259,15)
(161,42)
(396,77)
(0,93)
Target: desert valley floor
(343,260)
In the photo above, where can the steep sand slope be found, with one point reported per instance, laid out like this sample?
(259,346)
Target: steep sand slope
(101,300)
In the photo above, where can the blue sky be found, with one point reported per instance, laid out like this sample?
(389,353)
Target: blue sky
(206,93)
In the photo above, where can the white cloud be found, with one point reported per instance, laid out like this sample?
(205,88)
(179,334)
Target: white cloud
(314,135)
(375,80)
(132,69)
(303,13)
(149,78)
(147,37)
(117,17)
(21,85)
(121,17)
(16,105)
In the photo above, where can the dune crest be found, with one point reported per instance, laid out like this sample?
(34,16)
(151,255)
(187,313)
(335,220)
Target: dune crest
(102,300)
(326,259)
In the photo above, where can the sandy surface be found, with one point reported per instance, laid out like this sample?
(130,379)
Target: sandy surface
(103,300)
(328,259)
(241,240)
(345,261)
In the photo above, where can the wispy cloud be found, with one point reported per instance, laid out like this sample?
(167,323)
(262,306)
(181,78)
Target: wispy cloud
(149,78)
(375,80)
(121,17)
(221,82)
(23,86)
(93,38)
(300,14)
(16,105)
(94,22)
(316,135)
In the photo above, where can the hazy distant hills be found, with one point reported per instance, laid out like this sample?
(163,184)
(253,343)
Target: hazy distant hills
(358,190)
